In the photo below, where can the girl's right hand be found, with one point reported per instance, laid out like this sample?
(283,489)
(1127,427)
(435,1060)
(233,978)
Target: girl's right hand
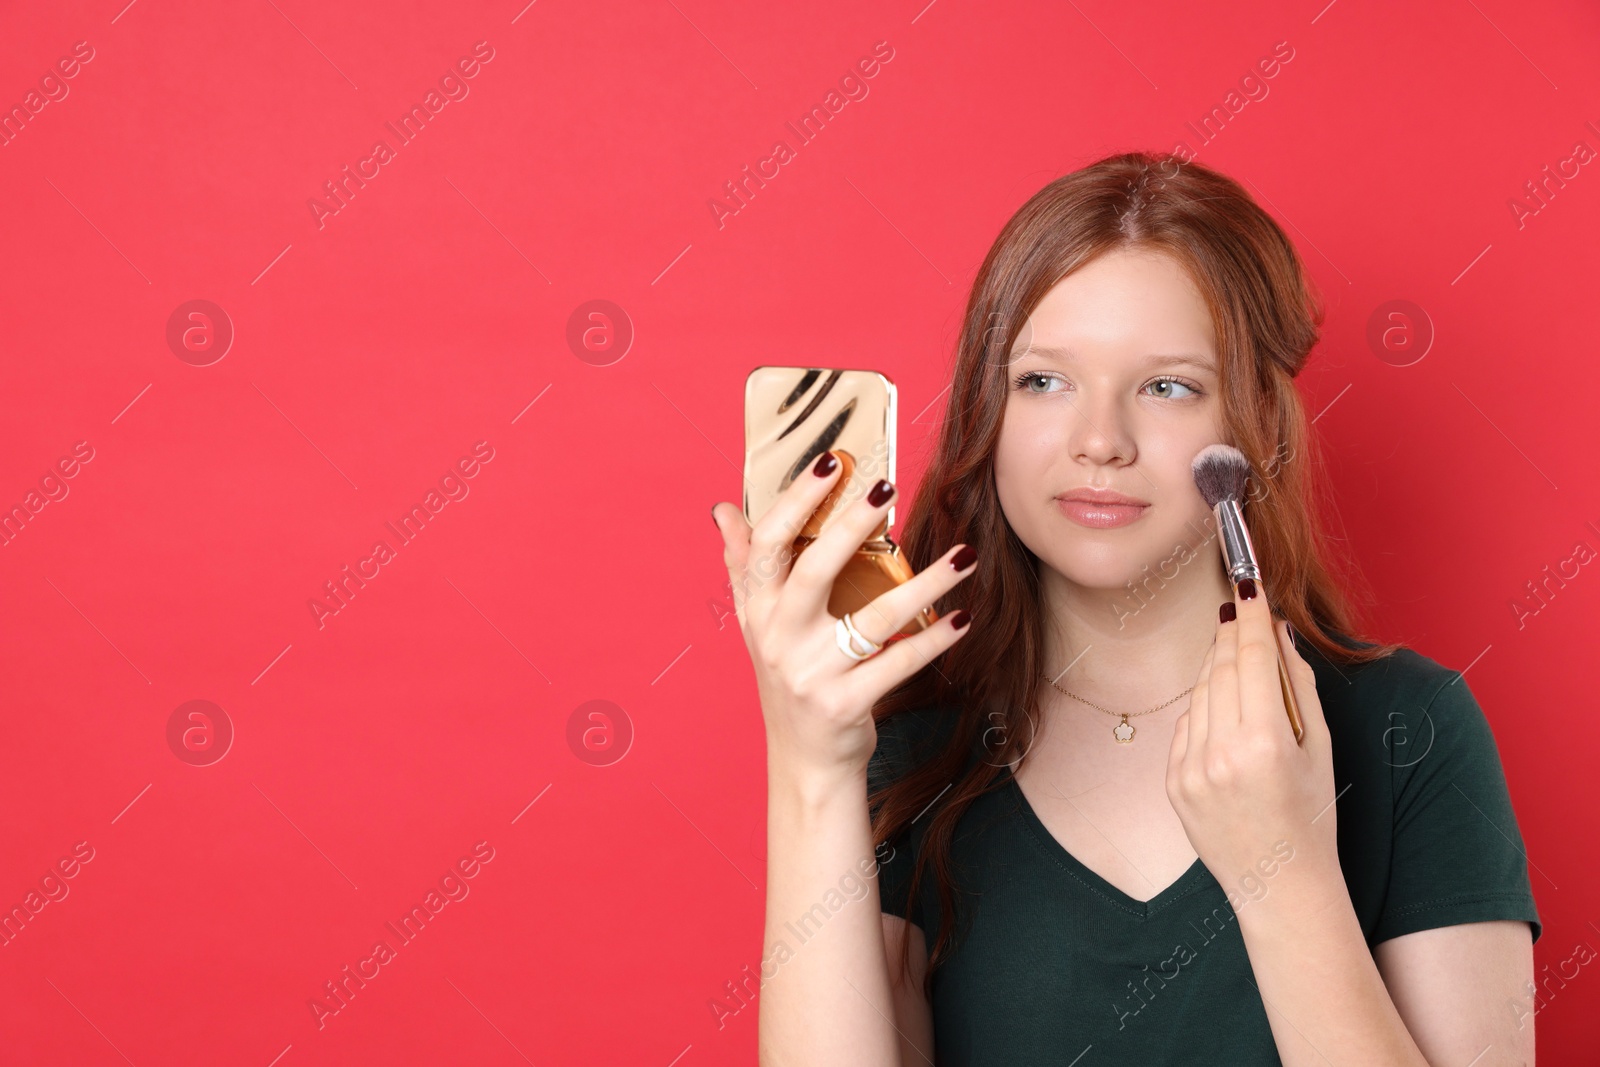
(816,700)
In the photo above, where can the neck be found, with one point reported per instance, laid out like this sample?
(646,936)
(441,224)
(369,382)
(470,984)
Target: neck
(1132,650)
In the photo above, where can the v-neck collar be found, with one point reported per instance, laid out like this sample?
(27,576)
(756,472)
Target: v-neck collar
(1190,880)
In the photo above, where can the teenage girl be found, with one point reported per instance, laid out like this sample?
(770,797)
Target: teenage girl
(1069,823)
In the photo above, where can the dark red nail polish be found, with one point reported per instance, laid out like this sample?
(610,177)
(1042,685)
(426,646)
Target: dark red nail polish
(881,493)
(1227,612)
(1247,589)
(824,465)
(964,558)
(959,620)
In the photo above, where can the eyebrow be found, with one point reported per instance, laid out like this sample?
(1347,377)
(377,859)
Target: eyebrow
(1066,355)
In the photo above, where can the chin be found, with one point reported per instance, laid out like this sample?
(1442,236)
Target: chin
(1112,559)
(1099,566)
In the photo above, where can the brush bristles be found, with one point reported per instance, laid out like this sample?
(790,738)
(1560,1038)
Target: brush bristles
(1220,472)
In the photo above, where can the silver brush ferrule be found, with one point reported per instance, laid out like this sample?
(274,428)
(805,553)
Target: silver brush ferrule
(1238,555)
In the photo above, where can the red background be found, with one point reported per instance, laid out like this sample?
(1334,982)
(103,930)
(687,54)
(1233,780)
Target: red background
(373,351)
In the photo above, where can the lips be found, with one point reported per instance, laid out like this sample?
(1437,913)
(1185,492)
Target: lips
(1100,509)
(1103,496)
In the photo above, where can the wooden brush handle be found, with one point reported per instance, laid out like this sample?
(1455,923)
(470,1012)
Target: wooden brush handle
(1289,702)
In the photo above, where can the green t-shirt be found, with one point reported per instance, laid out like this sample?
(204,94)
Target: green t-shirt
(1060,967)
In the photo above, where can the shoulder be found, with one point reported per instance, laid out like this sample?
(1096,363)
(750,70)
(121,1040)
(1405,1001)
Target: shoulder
(1404,675)
(1428,834)
(1398,707)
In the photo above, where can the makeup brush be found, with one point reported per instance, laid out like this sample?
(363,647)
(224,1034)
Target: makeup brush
(1220,472)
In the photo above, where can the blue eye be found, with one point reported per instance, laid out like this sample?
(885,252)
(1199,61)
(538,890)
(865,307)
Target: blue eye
(1192,390)
(1029,377)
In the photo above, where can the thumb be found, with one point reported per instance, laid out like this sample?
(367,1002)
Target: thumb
(735,540)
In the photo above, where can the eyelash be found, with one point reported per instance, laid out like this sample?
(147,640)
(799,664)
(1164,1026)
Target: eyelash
(1024,378)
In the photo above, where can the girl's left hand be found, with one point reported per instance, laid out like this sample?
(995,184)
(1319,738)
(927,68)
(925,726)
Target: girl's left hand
(1236,777)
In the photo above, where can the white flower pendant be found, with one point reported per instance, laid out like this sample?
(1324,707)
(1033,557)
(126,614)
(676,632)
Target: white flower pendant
(1123,731)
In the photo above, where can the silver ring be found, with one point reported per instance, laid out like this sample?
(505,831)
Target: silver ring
(850,640)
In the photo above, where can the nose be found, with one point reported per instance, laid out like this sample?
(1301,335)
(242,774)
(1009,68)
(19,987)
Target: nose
(1098,433)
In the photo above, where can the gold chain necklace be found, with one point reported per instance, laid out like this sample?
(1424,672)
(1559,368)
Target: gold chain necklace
(1124,730)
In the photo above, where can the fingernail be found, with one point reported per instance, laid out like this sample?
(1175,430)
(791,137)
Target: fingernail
(1290,627)
(1247,589)
(880,493)
(1227,612)
(959,620)
(964,558)
(714,521)
(824,465)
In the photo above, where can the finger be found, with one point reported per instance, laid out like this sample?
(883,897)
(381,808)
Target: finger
(811,579)
(771,552)
(887,614)
(1222,685)
(1259,693)
(735,533)
(735,551)
(898,661)
(1180,745)
(1199,711)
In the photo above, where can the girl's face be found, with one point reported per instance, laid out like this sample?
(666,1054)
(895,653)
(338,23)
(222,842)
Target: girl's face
(1112,385)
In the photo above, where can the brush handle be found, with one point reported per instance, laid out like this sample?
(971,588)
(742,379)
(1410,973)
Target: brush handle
(1239,561)
(1238,554)
(1289,702)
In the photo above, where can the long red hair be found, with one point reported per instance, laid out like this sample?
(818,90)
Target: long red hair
(1266,315)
